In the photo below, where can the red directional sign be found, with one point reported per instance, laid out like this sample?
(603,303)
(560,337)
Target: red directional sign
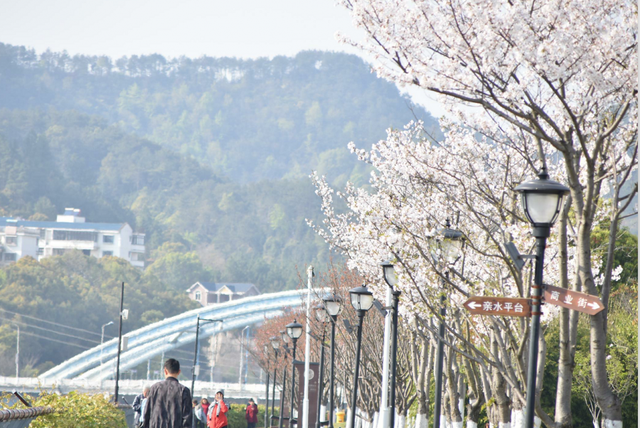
(572,300)
(504,306)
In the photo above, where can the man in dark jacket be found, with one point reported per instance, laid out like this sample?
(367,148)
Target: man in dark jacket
(169,402)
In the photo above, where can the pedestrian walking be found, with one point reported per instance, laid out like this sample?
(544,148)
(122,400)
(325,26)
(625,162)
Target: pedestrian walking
(217,416)
(137,406)
(251,414)
(169,402)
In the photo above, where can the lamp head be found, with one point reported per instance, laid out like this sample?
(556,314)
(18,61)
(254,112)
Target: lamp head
(294,330)
(389,272)
(332,304)
(541,201)
(321,314)
(275,343)
(447,244)
(361,298)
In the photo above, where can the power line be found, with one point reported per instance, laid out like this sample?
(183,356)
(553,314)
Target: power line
(46,329)
(53,340)
(54,323)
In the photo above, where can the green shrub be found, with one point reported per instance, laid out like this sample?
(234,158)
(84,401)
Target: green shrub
(78,411)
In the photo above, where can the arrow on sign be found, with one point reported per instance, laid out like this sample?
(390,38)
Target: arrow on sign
(473,305)
(575,300)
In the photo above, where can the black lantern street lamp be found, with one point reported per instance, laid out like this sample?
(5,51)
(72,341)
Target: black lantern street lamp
(391,279)
(332,307)
(275,344)
(322,317)
(361,300)
(294,331)
(284,337)
(541,203)
(446,249)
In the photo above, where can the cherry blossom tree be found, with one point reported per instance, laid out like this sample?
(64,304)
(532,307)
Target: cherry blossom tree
(547,82)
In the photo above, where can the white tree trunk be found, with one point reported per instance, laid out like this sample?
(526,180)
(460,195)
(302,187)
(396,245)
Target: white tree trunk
(421,421)
(608,423)
(504,424)
(456,424)
(537,422)
(517,418)
(401,421)
(323,413)
(471,424)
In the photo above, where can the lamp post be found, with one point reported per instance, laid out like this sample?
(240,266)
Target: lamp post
(541,203)
(294,331)
(391,279)
(195,352)
(446,249)
(283,335)
(275,344)
(332,306)
(102,340)
(323,317)
(122,314)
(361,300)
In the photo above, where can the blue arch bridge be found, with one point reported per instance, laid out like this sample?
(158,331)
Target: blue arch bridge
(90,371)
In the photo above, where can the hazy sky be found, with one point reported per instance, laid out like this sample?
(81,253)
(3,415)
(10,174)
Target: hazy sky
(240,28)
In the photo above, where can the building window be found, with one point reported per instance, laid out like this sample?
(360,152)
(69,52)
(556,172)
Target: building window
(43,233)
(10,257)
(137,239)
(107,253)
(108,239)
(86,252)
(40,251)
(11,240)
(136,257)
(59,251)
(74,235)
(198,296)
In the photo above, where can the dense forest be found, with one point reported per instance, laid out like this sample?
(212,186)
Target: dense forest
(209,157)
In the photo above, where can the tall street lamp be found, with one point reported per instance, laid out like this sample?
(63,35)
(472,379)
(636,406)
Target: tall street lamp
(196,367)
(294,331)
(446,249)
(332,306)
(361,300)
(102,340)
(391,279)
(275,344)
(283,335)
(323,317)
(123,315)
(541,203)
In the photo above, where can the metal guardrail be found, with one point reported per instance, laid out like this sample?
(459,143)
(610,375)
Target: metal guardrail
(126,387)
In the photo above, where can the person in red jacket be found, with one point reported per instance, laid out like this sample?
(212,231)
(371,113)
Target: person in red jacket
(217,416)
(251,414)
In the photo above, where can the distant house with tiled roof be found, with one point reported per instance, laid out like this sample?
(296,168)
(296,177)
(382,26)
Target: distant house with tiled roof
(210,293)
(70,231)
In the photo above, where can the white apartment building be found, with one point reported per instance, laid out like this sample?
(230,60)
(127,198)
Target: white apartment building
(70,231)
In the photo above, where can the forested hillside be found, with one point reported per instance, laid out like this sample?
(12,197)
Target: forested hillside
(248,119)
